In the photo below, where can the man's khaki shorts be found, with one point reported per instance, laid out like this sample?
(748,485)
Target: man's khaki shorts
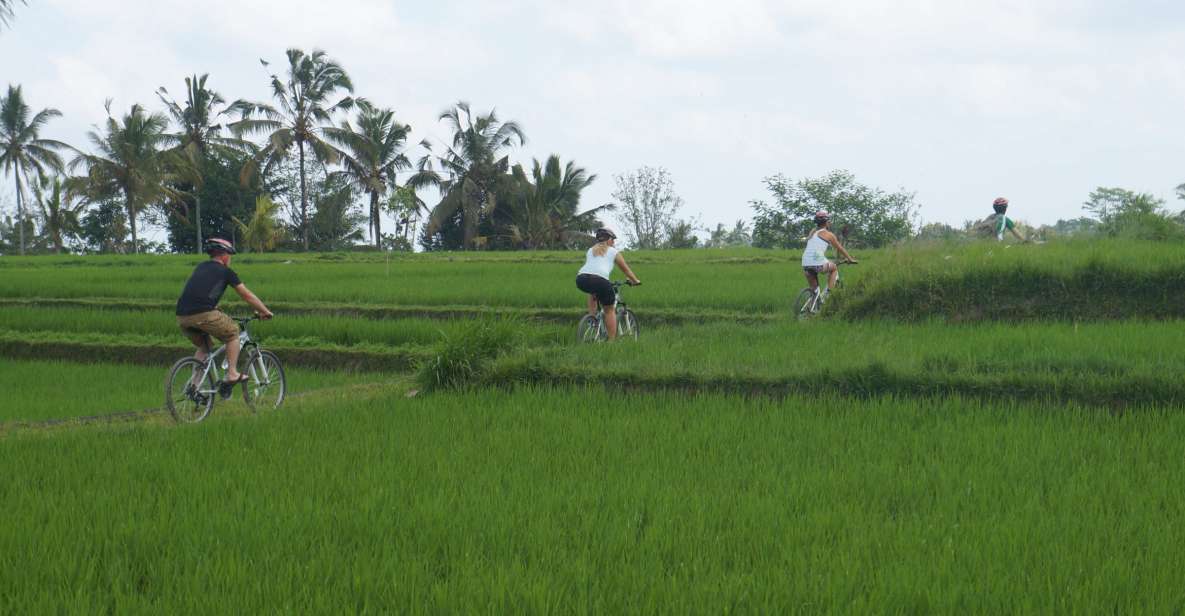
(213,323)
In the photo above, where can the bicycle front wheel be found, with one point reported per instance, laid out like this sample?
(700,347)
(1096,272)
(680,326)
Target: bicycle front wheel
(805,305)
(190,391)
(588,329)
(267,385)
(627,324)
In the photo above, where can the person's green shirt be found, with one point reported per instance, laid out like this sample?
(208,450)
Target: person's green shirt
(1002,224)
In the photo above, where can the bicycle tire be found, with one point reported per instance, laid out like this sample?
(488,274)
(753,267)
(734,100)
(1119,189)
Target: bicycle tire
(267,381)
(803,307)
(627,324)
(184,405)
(588,330)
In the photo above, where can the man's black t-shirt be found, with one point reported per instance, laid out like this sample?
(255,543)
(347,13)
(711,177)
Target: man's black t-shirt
(205,288)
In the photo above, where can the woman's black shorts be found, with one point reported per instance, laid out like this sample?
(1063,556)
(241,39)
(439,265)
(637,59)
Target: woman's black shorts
(600,287)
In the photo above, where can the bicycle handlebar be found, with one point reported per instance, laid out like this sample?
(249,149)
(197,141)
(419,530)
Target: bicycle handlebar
(617,284)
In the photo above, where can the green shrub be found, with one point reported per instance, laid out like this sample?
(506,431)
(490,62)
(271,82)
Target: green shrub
(464,357)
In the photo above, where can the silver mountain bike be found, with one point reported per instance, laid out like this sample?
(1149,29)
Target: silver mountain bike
(810,302)
(592,327)
(193,385)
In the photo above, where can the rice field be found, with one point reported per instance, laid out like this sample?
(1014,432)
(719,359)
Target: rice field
(377,503)
(968,428)
(48,390)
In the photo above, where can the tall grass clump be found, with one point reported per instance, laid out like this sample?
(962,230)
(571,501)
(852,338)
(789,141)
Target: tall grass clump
(463,357)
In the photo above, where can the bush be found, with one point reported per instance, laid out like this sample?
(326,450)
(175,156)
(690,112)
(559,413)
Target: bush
(462,360)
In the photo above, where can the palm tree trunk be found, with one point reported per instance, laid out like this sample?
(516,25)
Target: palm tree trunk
(304,200)
(197,218)
(20,210)
(374,216)
(132,223)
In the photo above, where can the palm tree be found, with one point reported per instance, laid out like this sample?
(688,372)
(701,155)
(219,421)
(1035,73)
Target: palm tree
(60,210)
(199,136)
(6,10)
(407,207)
(21,147)
(372,155)
(544,211)
(263,231)
(303,108)
(132,163)
(472,166)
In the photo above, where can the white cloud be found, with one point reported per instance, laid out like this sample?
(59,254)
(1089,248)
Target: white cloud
(953,98)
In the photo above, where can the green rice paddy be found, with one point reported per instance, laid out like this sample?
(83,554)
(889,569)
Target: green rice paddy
(969,428)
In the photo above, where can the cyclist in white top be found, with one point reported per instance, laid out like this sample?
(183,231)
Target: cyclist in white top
(593,278)
(814,258)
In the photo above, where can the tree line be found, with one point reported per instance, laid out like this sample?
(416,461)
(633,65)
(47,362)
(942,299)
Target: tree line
(286,173)
(317,167)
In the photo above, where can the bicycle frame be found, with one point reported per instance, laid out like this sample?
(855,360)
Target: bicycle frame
(598,319)
(246,344)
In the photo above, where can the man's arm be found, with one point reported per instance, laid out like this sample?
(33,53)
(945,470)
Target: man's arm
(253,301)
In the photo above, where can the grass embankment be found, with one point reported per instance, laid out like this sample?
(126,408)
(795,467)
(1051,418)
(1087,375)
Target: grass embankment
(747,281)
(566,316)
(1116,364)
(286,330)
(162,351)
(38,390)
(683,504)
(1071,281)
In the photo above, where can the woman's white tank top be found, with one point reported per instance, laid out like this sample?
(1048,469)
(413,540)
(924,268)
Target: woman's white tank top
(816,250)
(599,266)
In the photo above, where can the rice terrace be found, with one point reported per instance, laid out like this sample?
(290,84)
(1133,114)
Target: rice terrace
(908,452)
(622,307)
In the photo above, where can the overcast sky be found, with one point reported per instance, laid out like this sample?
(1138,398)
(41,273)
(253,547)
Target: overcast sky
(960,102)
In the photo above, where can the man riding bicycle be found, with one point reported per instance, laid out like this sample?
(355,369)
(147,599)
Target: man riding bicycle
(814,258)
(197,308)
(999,222)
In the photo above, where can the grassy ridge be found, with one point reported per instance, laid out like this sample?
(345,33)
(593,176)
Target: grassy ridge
(1119,364)
(315,330)
(162,351)
(1072,281)
(39,390)
(679,281)
(704,504)
(565,316)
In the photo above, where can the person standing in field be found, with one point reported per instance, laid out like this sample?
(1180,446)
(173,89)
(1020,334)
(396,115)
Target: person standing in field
(593,278)
(999,221)
(814,257)
(198,315)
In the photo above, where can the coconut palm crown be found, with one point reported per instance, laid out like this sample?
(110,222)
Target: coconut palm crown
(302,107)
(22,150)
(471,167)
(372,154)
(131,162)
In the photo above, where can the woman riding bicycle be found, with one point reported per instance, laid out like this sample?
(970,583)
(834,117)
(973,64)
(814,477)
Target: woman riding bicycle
(814,259)
(593,278)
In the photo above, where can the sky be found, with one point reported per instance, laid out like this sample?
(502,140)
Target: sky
(958,102)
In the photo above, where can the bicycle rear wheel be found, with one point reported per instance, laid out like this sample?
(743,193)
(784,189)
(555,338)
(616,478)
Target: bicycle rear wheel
(805,305)
(190,391)
(627,324)
(267,385)
(588,330)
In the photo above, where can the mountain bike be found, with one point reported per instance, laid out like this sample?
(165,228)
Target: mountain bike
(592,327)
(810,301)
(194,385)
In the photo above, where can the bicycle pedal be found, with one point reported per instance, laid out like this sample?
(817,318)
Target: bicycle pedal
(226,390)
